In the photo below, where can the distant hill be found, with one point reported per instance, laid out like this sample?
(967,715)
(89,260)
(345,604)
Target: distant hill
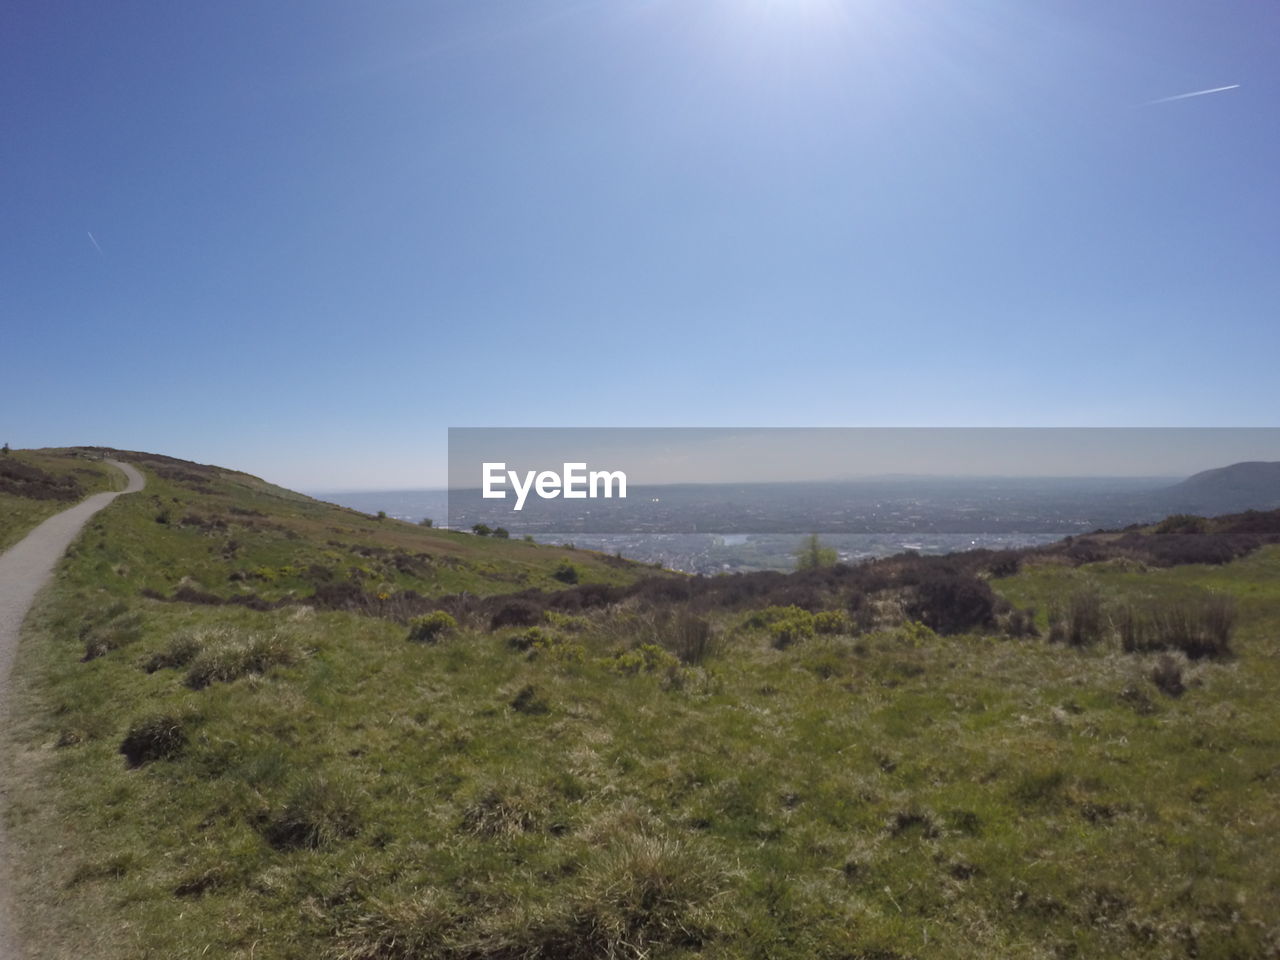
(1253,485)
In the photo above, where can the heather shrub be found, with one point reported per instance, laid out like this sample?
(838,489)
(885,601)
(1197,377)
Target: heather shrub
(949,602)
(516,613)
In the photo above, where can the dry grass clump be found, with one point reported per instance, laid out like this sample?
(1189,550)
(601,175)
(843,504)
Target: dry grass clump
(231,657)
(320,810)
(501,812)
(120,629)
(181,649)
(156,736)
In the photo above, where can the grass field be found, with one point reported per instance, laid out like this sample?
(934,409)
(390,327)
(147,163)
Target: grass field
(36,484)
(207,779)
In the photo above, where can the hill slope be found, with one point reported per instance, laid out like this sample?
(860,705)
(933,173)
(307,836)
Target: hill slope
(35,484)
(1240,486)
(215,763)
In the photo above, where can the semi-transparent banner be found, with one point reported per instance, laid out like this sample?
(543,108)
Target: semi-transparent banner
(556,480)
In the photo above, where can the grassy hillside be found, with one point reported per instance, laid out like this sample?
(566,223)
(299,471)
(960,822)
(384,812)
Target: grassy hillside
(36,484)
(229,753)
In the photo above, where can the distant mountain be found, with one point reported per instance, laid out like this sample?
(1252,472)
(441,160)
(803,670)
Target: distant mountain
(1253,485)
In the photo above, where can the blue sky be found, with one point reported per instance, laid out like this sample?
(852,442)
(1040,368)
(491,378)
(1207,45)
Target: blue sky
(322,233)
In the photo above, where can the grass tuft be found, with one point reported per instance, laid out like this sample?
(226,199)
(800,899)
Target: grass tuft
(157,736)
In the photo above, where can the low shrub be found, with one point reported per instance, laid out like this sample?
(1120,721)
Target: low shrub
(771,615)
(831,621)
(949,602)
(646,658)
(526,639)
(516,613)
(431,627)
(783,633)
(1182,523)
(566,573)
(556,649)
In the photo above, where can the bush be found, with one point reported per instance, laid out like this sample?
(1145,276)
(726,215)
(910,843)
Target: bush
(431,626)
(516,613)
(831,621)
(426,522)
(501,533)
(481,529)
(566,572)
(771,615)
(526,640)
(157,736)
(791,629)
(950,602)
(785,625)
(558,650)
(646,658)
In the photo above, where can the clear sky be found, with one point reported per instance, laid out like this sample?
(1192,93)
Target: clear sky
(304,238)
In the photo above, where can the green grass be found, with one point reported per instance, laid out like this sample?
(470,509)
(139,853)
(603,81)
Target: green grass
(72,475)
(339,791)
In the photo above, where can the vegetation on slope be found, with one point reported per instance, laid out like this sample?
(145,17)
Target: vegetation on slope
(758,766)
(36,484)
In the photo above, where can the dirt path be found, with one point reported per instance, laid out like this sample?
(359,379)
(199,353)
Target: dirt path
(24,569)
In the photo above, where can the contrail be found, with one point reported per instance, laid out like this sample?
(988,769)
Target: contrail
(1194,93)
(95,243)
